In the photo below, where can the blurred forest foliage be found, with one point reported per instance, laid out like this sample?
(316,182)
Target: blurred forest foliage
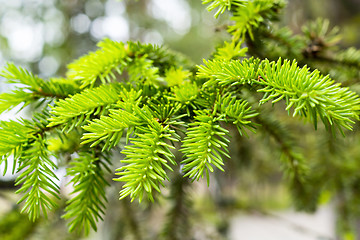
(45,35)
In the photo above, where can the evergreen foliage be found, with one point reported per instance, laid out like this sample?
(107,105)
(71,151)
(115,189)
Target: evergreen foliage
(151,104)
(88,203)
(37,178)
(202,146)
(146,159)
(32,88)
(74,111)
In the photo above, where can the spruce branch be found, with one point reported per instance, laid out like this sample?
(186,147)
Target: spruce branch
(222,5)
(25,141)
(109,128)
(99,65)
(203,146)
(31,88)
(185,93)
(144,171)
(37,178)
(74,111)
(229,73)
(161,57)
(230,51)
(39,88)
(19,75)
(13,135)
(141,60)
(10,100)
(160,101)
(310,93)
(237,112)
(251,15)
(142,72)
(176,76)
(56,88)
(87,205)
(145,159)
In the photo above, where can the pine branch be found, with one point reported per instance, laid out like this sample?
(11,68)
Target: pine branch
(88,202)
(109,128)
(10,100)
(12,136)
(32,88)
(145,159)
(250,15)
(203,146)
(229,73)
(76,110)
(230,51)
(310,93)
(37,178)
(222,5)
(142,72)
(99,65)
(175,77)
(19,75)
(237,112)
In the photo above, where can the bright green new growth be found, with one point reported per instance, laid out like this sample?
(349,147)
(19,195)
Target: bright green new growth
(37,177)
(74,111)
(145,161)
(202,146)
(102,64)
(150,105)
(35,88)
(12,136)
(89,200)
(309,93)
(222,5)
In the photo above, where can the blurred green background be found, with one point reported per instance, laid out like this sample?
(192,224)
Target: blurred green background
(45,35)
